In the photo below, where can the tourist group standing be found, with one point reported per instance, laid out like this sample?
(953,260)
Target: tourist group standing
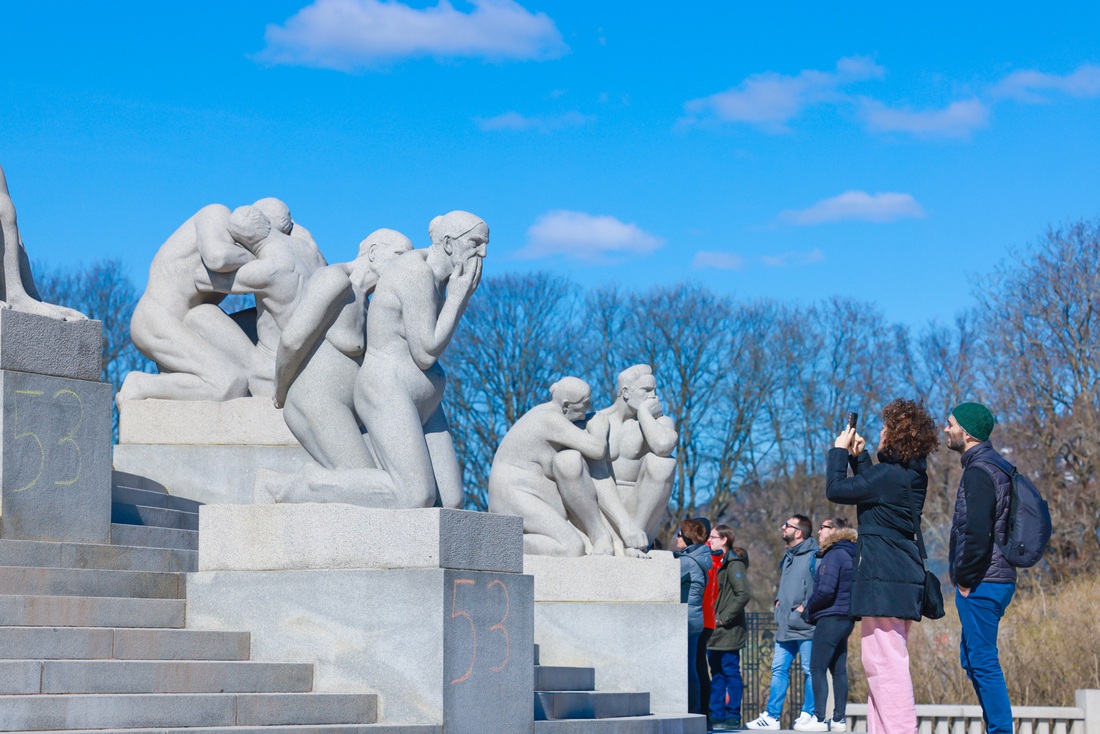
(876,575)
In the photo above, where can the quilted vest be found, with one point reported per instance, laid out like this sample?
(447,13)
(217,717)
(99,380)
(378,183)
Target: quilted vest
(999,571)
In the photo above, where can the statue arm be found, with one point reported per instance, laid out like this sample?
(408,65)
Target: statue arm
(248,278)
(219,252)
(429,334)
(593,447)
(326,293)
(660,433)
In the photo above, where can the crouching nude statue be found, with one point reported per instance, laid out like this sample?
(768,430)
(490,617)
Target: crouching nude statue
(540,473)
(634,481)
(17,289)
(414,311)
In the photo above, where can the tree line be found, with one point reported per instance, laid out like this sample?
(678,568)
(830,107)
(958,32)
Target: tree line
(759,389)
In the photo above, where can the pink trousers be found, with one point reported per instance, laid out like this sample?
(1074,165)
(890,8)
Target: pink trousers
(890,705)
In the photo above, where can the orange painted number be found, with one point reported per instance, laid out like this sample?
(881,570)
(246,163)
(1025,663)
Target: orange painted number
(455,614)
(499,626)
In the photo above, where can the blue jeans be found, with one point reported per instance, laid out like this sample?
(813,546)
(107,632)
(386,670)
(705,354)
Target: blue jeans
(725,680)
(693,675)
(781,675)
(980,614)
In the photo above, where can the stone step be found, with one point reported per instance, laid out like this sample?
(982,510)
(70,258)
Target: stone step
(151,710)
(589,704)
(154,537)
(51,554)
(90,611)
(558,678)
(91,582)
(107,643)
(158,517)
(298,729)
(652,724)
(21,677)
(136,481)
(152,498)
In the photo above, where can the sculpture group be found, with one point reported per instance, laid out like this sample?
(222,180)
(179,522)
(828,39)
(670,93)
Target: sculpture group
(351,351)
(573,475)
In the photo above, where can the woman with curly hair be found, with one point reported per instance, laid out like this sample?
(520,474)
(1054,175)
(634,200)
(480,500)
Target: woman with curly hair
(888,581)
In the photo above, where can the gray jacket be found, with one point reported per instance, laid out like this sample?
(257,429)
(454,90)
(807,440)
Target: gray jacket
(796,583)
(695,564)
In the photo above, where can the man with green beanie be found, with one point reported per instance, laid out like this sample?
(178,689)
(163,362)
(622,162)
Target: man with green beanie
(984,580)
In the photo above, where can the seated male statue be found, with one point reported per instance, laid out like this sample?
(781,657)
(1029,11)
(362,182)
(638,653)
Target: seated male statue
(17,289)
(540,473)
(634,480)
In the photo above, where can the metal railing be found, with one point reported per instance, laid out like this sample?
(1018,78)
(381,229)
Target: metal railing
(756,671)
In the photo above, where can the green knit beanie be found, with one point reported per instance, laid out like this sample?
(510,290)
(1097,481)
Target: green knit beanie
(975,419)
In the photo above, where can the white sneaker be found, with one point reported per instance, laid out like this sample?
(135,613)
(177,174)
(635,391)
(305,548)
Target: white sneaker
(841,725)
(764,722)
(810,723)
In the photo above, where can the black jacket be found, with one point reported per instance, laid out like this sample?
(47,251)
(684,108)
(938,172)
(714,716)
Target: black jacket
(888,580)
(833,584)
(981,520)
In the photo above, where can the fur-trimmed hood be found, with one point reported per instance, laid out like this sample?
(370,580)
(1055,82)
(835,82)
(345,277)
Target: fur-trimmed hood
(848,534)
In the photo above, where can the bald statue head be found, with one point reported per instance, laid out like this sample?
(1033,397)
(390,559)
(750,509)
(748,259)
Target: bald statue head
(461,235)
(248,226)
(382,246)
(277,212)
(573,396)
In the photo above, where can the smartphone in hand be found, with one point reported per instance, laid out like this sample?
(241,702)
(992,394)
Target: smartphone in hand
(853,418)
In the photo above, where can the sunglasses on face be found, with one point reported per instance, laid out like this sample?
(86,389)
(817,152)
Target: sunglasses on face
(827,527)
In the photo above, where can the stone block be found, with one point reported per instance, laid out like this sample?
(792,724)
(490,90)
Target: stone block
(330,536)
(240,422)
(605,578)
(140,536)
(175,676)
(56,458)
(179,644)
(633,646)
(90,582)
(213,474)
(45,346)
(89,611)
(439,646)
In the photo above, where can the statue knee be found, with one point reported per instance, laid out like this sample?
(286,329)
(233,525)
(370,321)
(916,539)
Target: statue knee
(229,387)
(568,464)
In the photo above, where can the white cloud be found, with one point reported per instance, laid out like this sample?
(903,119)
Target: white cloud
(789,259)
(352,34)
(1029,85)
(770,100)
(706,259)
(856,205)
(586,237)
(957,120)
(541,123)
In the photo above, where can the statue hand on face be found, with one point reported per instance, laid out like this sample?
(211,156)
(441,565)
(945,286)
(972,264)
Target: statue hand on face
(652,406)
(465,278)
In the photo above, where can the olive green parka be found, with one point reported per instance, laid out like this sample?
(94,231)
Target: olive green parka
(730,630)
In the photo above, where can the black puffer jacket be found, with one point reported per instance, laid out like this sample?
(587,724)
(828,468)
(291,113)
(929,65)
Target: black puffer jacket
(888,580)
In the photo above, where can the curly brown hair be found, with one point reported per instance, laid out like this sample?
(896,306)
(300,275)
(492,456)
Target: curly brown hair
(910,431)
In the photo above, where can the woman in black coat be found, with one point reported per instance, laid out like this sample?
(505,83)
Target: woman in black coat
(888,580)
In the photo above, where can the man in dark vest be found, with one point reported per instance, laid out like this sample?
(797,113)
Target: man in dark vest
(984,581)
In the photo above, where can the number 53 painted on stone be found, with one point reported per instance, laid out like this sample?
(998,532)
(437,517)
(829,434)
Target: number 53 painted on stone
(64,453)
(457,612)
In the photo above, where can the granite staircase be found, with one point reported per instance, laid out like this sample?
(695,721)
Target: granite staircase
(566,701)
(92,638)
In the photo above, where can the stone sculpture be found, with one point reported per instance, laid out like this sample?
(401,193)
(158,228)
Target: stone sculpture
(201,352)
(17,288)
(413,314)
(634,481)
(277,276)
(321,349)
(540,472)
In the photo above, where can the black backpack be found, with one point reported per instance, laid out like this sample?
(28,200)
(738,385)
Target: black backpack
(1028,532)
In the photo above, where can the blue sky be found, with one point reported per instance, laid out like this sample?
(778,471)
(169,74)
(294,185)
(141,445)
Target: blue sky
(793,151)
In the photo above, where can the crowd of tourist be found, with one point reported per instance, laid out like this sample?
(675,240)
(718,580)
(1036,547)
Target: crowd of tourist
(875,575)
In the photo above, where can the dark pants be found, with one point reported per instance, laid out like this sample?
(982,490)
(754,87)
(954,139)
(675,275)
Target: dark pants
(830,652)
(693,675)
(980,614)
(701,670)
(725,669)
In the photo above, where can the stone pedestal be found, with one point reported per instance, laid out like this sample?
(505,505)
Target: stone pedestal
(427,608)
(621,616)
(55,469)
(205,451)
